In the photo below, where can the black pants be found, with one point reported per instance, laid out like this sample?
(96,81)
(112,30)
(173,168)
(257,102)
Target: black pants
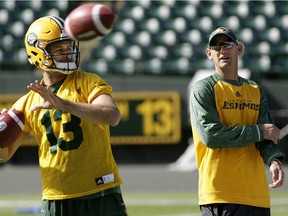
(225,209)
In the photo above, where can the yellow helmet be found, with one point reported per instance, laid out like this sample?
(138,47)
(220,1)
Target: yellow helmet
(41,33)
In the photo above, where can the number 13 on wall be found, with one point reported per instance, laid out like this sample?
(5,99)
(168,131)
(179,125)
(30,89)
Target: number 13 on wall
(148,118)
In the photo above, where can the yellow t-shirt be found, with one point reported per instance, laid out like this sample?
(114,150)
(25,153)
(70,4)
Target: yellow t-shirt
(224,118)
(75,156)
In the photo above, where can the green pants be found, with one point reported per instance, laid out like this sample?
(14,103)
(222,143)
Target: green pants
(108,205)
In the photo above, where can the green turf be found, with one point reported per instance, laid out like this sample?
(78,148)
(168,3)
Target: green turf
(152,204)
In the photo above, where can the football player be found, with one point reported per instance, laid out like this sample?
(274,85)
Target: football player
(69,113)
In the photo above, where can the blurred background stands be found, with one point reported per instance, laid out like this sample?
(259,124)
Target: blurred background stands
(165,37)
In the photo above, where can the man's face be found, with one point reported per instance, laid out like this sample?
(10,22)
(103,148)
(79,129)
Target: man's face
(223,51)
(61,51)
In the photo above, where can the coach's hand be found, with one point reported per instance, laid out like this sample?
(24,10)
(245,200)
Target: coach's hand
(271,132)
(277,174)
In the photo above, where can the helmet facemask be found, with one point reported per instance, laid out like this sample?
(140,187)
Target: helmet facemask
(62,61)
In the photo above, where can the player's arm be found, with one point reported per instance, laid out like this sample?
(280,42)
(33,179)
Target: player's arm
(102,110)
(7,152)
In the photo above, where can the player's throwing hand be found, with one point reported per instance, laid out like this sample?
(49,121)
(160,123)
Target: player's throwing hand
(50,100)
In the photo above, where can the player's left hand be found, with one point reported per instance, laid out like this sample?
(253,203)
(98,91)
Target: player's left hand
(50,100)
(277,174)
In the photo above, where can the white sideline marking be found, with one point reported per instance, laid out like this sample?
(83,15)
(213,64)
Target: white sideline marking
(160,202)
(19,203)
(131,202)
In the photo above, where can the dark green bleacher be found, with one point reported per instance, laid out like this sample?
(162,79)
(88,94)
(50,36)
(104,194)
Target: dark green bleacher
(160,37)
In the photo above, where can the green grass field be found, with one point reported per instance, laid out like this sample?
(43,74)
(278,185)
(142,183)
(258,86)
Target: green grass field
(143,204)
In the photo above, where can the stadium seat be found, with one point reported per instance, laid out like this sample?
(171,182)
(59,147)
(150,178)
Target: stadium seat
(279,49)
(16,29)
(258,63)
(161,12)
(131,51)
(160,52)
(141,38)
(35,5)
(59,5)
(51,12)
(182,50)
(272,35)
(185,10)
(126,25)
(261,48)
(21,56)
(232,22)
(211,9)
(200,64)
(240,9)
(257,23)
(7,43)
(25,15)
(204,24)
(144,4)
(176,66)
(8,5)
(177,24)
(264,8)
(170,3)
(151,25)
(246,35)
(125,66)
(151,66)
(99,66)
(104,52)
(193,36)
(117,39)
(165,38)
(134,13)
(4,18)
(279,21)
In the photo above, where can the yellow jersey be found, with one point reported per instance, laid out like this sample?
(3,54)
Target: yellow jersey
(226,119)
(75,156)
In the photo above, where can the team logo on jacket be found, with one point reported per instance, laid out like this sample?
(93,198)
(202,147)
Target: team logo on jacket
(238,94)
(240,105)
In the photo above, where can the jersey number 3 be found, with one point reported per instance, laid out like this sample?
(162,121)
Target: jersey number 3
(73,126)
